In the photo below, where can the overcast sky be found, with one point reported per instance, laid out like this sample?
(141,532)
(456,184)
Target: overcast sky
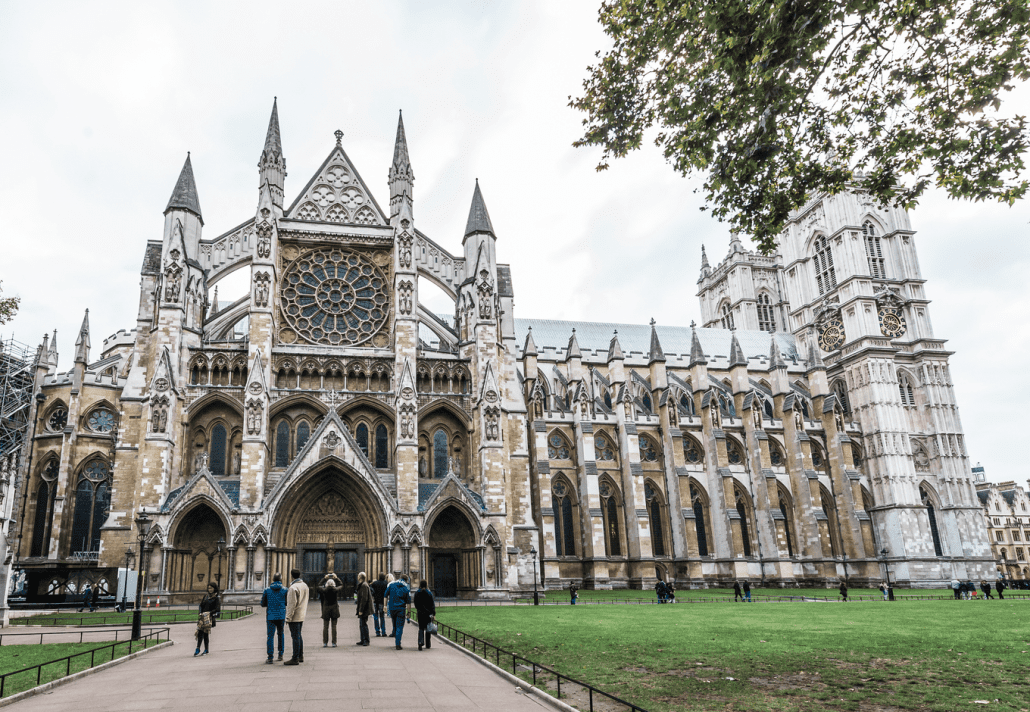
(99,103)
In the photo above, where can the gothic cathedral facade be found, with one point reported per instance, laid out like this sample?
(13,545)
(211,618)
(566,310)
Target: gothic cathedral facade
(329,421)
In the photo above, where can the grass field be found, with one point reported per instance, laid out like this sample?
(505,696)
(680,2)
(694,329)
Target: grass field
(18,657)
(113,618)
(587,596)
(917,655)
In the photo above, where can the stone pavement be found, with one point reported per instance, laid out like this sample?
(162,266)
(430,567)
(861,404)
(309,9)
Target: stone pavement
(235,677)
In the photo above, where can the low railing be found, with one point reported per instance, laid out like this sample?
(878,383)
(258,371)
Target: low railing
(95,655)
(119,634)
(148,616)
(538,672)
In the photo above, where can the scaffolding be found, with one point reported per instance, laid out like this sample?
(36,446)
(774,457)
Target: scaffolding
(16,376)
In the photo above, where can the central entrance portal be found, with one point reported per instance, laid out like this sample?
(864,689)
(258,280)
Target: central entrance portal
(344,560)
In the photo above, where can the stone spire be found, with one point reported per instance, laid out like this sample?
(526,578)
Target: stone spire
(185,197)
(401,177)
(273,150)
(776,361)
(614,348)
(272,165)
(737,357)
(573,350)
(735,244)
(401,162)
(655,353)
(697,354)
(815,361)
(704,258)
(530,348)
(42,351)
(51,354)
(82,343)
(479,218)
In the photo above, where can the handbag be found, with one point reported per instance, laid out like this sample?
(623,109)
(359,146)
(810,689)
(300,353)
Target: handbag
(432,627)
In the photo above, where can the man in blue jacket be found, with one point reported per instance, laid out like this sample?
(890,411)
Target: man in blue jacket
(398,597)
(274,599)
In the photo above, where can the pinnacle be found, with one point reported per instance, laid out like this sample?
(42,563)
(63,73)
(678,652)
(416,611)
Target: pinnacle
(401,162)
(82,343)
(815,361)
(615,348)
(573,350)
(479,218)
(184,196)
(273,141)
(737,357)
(656,353)
(775,358)
(530,348)
(697,354)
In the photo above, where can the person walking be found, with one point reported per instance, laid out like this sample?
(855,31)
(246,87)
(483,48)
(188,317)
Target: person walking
(274,600)
(296,608)
(670,593)
(883,590)
(956,588)
(844,591)
(94,599)
(573,593)
(999,586)
(87,596)
(986,588)
(425,610)
(363,609)
(737,594)
(747,590)
(329,592)
(659,589)
(210,608)
(398,597)
(378,588)
(389,580)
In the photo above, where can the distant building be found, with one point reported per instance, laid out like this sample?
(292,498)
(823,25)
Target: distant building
(1006,508)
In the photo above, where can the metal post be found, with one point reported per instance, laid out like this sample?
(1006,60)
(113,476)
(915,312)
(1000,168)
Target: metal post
(142,524)
(125,587)
(221,555)
(536,594)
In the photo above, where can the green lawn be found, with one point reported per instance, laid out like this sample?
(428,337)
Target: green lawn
(114,618)
(757,594)
(19,657)
(918,655)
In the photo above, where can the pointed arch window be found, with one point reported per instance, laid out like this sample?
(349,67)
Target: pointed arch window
(361,436)
(931,513)
(733,452)
(607,399)
(603,449)
(282,444)
(382,447)
(726,316)
(564,534)
(218,443)
(687,404)
(825,275)
(745,529)
(788,517)
(92,505)
(610,516)
(648,451)
(776,458)
(840,389)
(699,521)
(558,448)
(766,314)
(654,514)
(833,524)
(692,452)
(303,433)
(645,399)
(873,253)
(439,454)
(44,521)
(908,397)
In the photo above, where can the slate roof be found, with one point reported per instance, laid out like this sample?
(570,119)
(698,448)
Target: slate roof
(504,288)
(596,336)
(170,499)
(982,495)
(479,218)
(232,490)
(185,194)
(427,489)
(152,259)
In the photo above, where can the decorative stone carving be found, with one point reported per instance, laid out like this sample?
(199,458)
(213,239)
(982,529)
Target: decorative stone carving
(408,421)
(838,419)
(492,418)
(200,461)
(254,410)
(921,460)
(404,250)
(236,462)
(262,286)
(756,414)
(332,440)
(404,292)
(264,240)
(159,414)
(173,281)
(485,288)
(799,421)
(713,410)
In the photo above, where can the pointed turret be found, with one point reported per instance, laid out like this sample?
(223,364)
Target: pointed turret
(530,348)
(51,355)
(815,370)
(479,218)
(705,267)
(656,353)
(737,357)
(777,369)
(272,165)
(573,350)
(82,342)
(697,354)
(815,361)
(184,196)
(42,351)
(615,348)
(735,244)
(776,361)
(401,177)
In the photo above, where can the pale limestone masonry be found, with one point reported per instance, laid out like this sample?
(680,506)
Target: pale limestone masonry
(328,420)
(1006,511)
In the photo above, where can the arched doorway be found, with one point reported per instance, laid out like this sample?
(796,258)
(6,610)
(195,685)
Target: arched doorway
(196,560)
(329,521)
(455,565)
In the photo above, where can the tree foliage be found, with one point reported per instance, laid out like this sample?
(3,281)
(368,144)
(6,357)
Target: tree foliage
(778,100)
(8,306)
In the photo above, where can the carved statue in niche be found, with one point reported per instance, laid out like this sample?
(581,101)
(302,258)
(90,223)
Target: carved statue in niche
(799,421)
(493,417)
(537,402)
(332,440)
(264,241)
(254,417)
(422,466)
(404,297)
(159,415)
(921,460)
(756,414)
(486,291)
(838,418)
(407,421)
(236,461)
(200,461)
(173,282)
(261,287)
(713,409)
(404,251)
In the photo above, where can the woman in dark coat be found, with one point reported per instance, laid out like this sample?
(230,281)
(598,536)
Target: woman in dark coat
(329,591)
(210,609)
(737,595)
(425,607)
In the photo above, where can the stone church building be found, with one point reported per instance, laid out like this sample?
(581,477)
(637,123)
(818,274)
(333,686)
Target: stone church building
(328,420)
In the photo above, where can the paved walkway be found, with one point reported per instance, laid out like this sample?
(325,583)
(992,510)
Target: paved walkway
(235,677)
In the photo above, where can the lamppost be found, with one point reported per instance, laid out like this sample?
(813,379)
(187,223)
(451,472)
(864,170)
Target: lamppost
(536,594)
(845,568)
(887,568)
(221,555)
(142,523)
(125,588)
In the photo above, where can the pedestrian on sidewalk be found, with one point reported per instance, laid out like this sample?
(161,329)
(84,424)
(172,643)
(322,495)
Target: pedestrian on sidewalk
(329,592)
(378,588)
(398,597)
(210,608)
(87,596)
(364,608)
(274,599)
(573,593)
(425,609)
(999,586)
(747,590)
(737,593)
(986,588)
(94,599)
(296,608)
(389,580)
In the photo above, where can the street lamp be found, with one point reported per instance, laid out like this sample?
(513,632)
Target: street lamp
(887,568)
(142,523)
(221,555)
(536,595)
(125,588)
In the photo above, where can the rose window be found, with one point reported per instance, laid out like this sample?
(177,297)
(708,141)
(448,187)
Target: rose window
(557,449)
(648,451)
(101,420)
(58,419)
(334,297)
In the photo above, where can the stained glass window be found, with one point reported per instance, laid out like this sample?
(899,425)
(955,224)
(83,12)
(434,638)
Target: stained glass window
(361,435)
(691,451)
(786,526)
(439,454)
(817,459)
(775,455)
(44,520)
(218,444)
(282,444)
(654,511)
(648,452)
(745,531)
(58,419)
(603,449)
(733,453)
(825,275)
(608,399)
(101,420)
(564,535)
(382,447)
(931,513)
(766,315)
(699,522)
(557,448)
(610,511)
(92,505)
(303,433)
(646,400)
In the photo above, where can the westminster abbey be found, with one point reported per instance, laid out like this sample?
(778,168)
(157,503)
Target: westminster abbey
(805,432)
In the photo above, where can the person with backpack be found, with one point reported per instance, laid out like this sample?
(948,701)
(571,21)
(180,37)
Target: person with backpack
(398,597)
(573,593)
(363,608)
(274,600)
(660,590)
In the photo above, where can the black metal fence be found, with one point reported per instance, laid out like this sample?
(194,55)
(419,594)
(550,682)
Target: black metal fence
(69,635)
(21,680)
(539,674)
(152,615)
